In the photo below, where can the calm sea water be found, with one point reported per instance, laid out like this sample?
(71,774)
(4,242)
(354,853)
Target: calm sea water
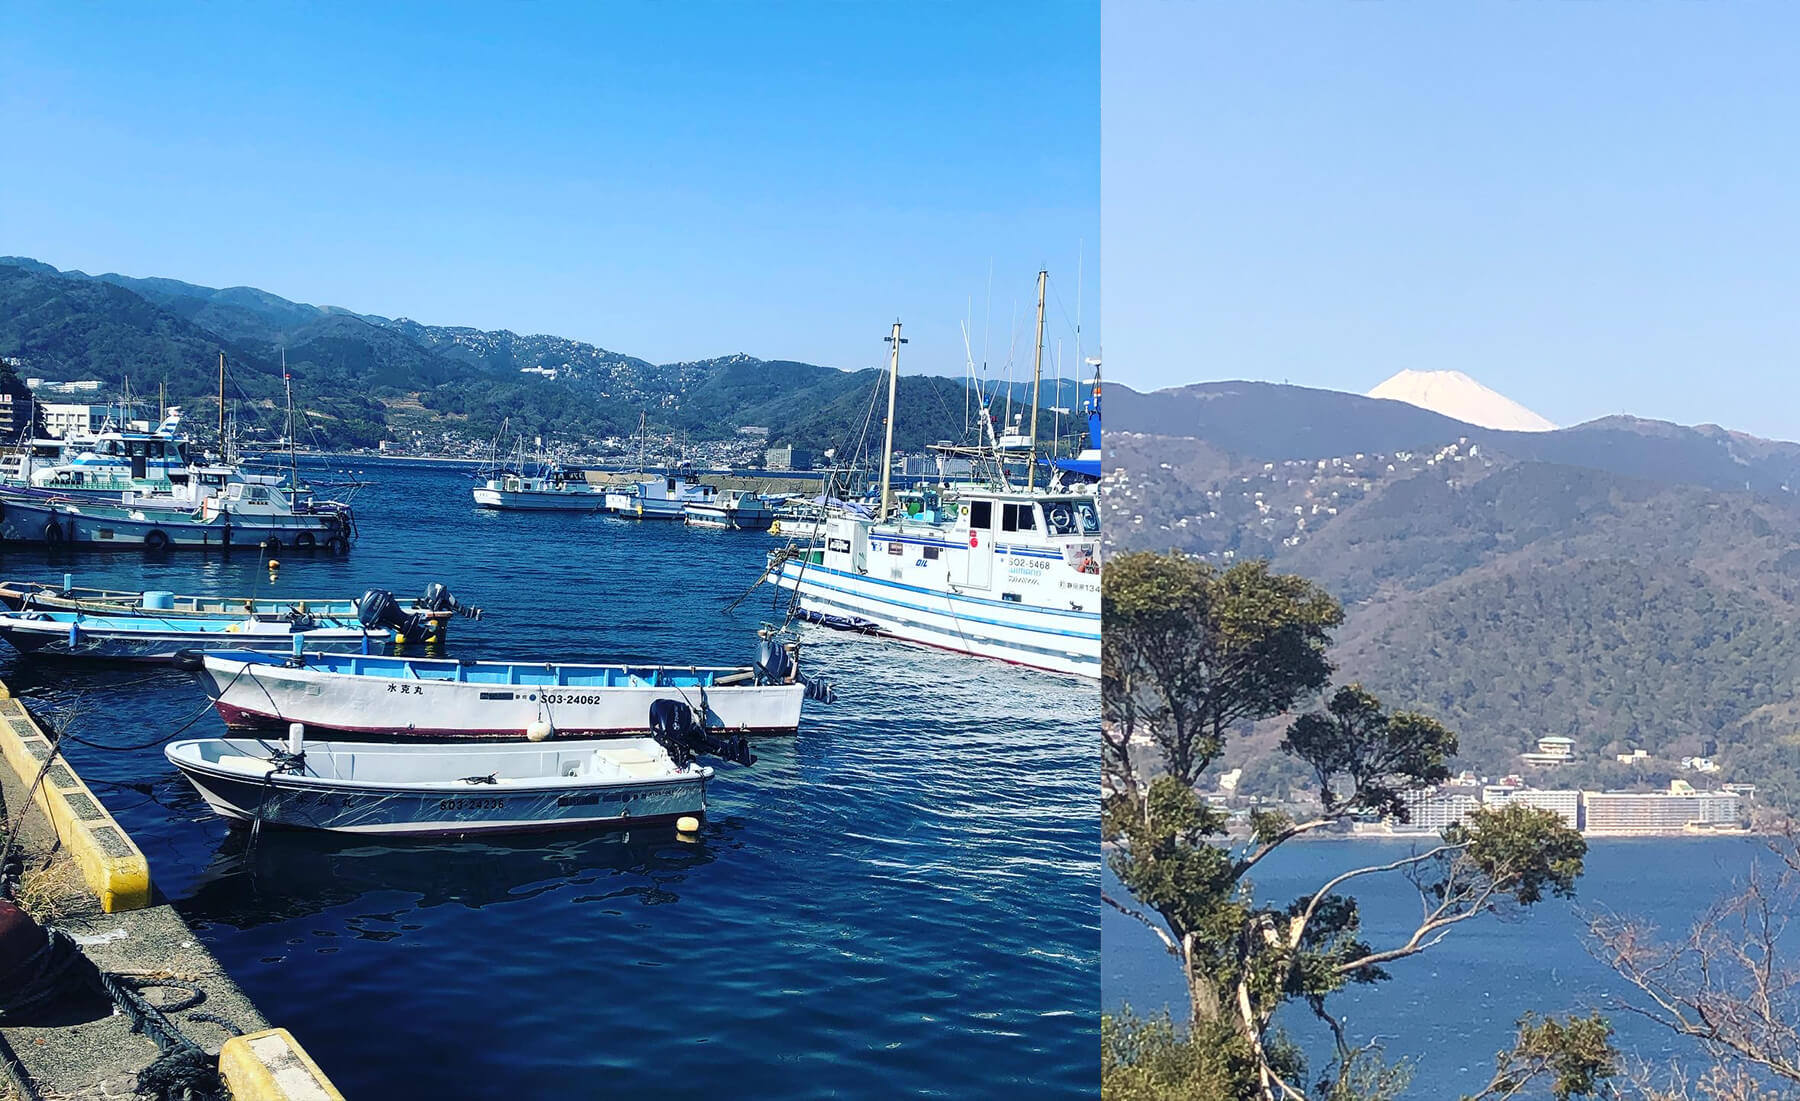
(899,900)
(1450,1009)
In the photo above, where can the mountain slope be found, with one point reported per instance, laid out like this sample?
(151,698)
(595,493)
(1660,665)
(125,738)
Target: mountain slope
(364,377)
(1267,421)
(1643,600)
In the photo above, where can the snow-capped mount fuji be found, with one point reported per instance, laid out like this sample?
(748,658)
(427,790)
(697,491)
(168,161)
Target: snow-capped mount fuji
(1455,394)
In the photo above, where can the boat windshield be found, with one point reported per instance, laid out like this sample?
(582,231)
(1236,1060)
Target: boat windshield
(1072,516)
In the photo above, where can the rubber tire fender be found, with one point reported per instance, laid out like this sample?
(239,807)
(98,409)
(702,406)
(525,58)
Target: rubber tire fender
(156,540)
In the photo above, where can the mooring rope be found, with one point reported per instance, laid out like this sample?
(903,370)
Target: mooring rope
(183,1071)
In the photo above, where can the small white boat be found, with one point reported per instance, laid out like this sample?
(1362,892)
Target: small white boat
(554,493)
(395,697)
(419,789)
(803,518)
(154,638)
(738,510)
(665,498)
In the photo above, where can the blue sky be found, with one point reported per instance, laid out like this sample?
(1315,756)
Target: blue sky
(1593,208)
(672,181)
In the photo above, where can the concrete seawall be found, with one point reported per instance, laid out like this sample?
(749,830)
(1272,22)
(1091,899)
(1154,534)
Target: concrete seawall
(85,876)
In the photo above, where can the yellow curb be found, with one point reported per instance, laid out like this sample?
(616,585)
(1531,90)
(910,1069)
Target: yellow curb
(109,860)
(272,1066)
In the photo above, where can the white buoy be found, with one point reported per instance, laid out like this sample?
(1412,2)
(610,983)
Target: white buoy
(687,823)
(538,731)
(296,738)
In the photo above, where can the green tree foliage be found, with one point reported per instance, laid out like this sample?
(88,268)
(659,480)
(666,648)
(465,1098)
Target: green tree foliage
(1191,651)
(1189,655)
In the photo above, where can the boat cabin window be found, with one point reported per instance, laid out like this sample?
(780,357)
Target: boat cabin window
(259,495)
(1018,518)
(981,515)
(1075,517)
(671,485)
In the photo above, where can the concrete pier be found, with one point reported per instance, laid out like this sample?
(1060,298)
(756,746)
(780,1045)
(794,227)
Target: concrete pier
(84,876)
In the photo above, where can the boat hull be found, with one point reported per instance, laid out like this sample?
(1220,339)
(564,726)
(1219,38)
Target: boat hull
(798,528)
(1042,638)
(638,508)
(26,520)
(712,516)
(18,597)
(540,502)
(248,695)
(166,646)
(441,809)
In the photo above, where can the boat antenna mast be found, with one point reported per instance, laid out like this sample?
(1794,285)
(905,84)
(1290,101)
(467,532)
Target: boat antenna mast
(894,339)
(1037,380)
(287,380)
(222,455)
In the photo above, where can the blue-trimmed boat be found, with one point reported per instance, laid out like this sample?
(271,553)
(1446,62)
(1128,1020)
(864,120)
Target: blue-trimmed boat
(398,697)
(166,639)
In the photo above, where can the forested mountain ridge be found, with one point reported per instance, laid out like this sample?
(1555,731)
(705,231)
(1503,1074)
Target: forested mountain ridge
(363,377)
(1630,602)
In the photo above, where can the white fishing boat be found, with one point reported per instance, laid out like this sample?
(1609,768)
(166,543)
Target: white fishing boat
(157,639)
(1007,572)
(554,492)
(550,489)
(665,498)
(444,698)
(442,790)
(1014,576)
(738,510)
(112,460)
(803,518)
(211,511)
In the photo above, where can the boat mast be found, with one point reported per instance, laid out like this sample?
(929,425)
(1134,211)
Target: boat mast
(1037,380)
(293,463)
(887,447)
(222,455)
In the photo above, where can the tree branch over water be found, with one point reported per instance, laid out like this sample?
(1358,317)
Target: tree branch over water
(1189,654)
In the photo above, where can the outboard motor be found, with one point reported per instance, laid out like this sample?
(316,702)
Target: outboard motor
(377,608)
(674,727)
(775,664)
(438,598)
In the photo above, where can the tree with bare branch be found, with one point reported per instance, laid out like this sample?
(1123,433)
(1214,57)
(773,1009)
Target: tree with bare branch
(1727,983)
(1189,654)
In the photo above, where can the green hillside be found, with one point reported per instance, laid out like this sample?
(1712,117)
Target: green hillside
(361,378)
(1514,600)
